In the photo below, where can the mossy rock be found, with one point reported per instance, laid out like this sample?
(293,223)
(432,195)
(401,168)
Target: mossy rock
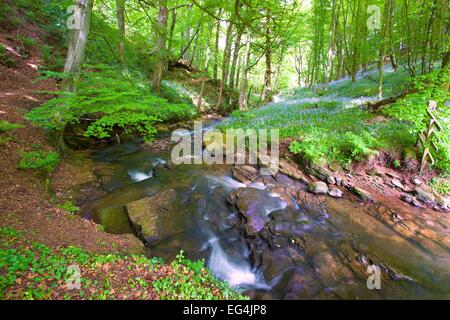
(362,194)
(145,213)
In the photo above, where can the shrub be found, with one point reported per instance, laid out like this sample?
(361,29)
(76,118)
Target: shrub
(113,102)
(38,160)
(413,110)
(441,185)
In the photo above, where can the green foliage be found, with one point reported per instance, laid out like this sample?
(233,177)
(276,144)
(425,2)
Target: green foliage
(6,126)
(26,42)
(114,102)
(326,131)
(192,281)
(70,207)
(53,59)
(441,185)
(45,269)
(5,58)
(413,110)
(38,160)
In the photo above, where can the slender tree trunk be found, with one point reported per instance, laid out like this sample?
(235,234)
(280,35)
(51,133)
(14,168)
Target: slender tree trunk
(356,38)
(173,21)
(243,97)
(225,64)
(386,26)
(237,46)
(267,91)
(161,43)
(202,90)
(330,45)
(216,49)
(77,46)
(120,8)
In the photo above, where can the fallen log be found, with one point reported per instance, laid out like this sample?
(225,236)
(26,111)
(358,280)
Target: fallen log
(374,106)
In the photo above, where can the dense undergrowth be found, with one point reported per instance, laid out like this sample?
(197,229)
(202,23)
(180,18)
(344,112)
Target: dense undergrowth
(36,271)
(111,101)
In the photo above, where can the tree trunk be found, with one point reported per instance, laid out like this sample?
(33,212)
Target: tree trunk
(161,43)
(243,97)
(237,46)
(330,45)
(120,8)
(267,91)
(216,49)
(202,90)
(173,21)
(77,47)
(386,26)
(225,65)
(356,37)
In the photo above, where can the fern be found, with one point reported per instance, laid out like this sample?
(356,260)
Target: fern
(112,101)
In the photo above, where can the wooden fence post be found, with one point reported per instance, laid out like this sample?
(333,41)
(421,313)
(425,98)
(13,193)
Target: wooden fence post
(426,137)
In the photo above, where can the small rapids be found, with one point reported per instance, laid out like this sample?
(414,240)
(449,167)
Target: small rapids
(260,239)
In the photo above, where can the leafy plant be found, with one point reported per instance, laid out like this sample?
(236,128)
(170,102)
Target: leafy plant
(113,101)
(39,160)
(413,110)
(192,280)
(6,126)
(69,206)
(441,185)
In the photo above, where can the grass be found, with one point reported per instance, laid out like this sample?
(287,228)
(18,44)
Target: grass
(36,271)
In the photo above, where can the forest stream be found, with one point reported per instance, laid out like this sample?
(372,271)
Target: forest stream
(309,249)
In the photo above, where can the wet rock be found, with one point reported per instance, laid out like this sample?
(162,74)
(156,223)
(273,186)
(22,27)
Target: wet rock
(335,167)
(444,202)
(284,166)
(396,217)
(255,206)
(335,193)
(416,203)
(245,173)
(407,198)
(416,181)
(425,194)
(331,180)
(162,128)
(362,194)
(339,181)
(397,183)
(144,213)
(318,187)
(393,175)
(320,172)
(293,171)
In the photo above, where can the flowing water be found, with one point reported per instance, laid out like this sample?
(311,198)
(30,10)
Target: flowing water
(316,250)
